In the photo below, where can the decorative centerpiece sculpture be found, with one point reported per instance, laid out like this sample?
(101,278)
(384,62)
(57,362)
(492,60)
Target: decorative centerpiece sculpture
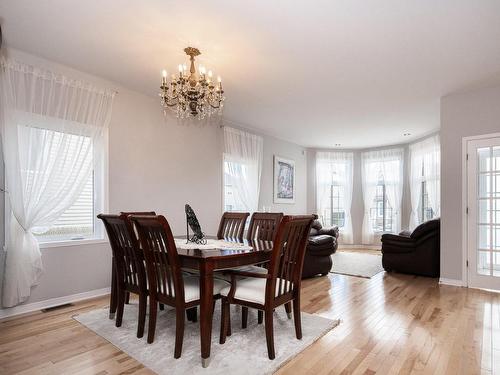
(193,223)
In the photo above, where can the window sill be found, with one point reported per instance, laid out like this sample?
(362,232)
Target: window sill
(70,243)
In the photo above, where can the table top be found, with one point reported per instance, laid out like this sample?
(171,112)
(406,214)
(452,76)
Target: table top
(256,247)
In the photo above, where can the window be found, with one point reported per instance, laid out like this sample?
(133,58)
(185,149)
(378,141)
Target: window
(242,164)
(381,211)
(334,191)
(424,180)
(425,211)
(77,222)
(232,200)
(382,179)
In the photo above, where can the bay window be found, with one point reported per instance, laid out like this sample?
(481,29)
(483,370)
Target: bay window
(382,181)
(425,160)
(334,171)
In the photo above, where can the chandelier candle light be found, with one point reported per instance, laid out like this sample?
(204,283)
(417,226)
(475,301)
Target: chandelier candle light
(194,95)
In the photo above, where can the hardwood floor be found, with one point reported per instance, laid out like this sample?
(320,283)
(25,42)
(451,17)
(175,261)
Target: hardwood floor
(390,324)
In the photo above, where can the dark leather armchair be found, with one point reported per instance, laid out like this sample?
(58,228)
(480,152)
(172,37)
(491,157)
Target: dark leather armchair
(415,253)
(323,242)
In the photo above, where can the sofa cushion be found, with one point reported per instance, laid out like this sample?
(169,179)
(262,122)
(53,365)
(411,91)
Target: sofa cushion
(321,240)
(316,225)
(313,232)
(424,228)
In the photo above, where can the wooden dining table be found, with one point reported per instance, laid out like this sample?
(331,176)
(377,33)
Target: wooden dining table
(206,261)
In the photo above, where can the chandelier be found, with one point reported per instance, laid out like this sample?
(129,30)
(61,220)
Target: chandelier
(192,95)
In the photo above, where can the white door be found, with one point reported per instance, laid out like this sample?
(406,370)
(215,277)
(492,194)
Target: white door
(483,219)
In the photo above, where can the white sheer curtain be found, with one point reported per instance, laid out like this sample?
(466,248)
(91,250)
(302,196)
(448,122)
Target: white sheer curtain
(243,162)
(385,166)
(335,168)
(50,125)
(425,157)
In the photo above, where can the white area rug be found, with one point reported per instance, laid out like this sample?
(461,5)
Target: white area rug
(245,351)
(356,264)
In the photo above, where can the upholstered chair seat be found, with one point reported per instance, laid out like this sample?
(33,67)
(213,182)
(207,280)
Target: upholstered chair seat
(253,290)
(192,288)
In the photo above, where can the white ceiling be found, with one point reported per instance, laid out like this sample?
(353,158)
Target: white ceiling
(355,72)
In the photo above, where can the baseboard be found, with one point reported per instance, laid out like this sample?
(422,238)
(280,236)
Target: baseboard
(363,247)
(452,282)
(36,306)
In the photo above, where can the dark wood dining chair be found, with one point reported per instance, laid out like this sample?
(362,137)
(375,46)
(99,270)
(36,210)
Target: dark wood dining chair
(232,225)
(167,283)
(129,274)
(280,285)
(264,225)
(113,303)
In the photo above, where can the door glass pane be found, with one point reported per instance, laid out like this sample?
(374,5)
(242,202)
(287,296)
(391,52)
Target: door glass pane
(484,237)
(483,155)
(483,262)
(484,185)
(496,158)
(496,264)
(496,210)
(496,237)
(484,211)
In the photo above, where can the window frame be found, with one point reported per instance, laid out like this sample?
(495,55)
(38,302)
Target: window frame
(101,203)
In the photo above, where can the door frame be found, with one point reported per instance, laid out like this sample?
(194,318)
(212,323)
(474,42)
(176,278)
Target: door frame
(465,197)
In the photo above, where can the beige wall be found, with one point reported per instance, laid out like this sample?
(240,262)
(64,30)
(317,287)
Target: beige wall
(463,114)
(154,164)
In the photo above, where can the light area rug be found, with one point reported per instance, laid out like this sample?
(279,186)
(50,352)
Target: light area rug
(245,351)
(356,264)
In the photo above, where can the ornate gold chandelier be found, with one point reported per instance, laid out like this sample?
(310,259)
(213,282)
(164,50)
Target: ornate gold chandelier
(194,94)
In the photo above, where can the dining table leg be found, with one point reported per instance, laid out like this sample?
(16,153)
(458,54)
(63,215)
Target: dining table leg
(206,310)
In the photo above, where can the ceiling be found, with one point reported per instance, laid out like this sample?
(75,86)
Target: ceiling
(359,73)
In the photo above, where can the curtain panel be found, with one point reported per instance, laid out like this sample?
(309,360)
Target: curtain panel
(382,166)
(425,166)
(335,169)
(243,153)
(50,126)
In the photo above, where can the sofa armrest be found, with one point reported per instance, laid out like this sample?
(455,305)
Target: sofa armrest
(329,231)
(388,237)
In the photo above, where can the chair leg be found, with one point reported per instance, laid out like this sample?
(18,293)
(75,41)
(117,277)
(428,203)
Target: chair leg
(162,306)
(192,314)
(113,301)
(228,311)
(153,308)
(296,318)
(120,307)
(269,333)
(260,316)
(127,298)
(223,320)
(179,331)
(244,317)
(288,309)
(142,314)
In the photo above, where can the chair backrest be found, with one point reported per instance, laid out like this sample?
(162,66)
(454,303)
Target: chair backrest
(264,226)
(162,260)
(287,259)
(128,257)
(232,225)
(141,213)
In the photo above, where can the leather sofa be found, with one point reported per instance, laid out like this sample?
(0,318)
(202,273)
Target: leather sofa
(415,253)
(323,242)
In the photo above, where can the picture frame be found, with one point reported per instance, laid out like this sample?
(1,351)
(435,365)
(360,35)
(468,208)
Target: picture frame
(284,180)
